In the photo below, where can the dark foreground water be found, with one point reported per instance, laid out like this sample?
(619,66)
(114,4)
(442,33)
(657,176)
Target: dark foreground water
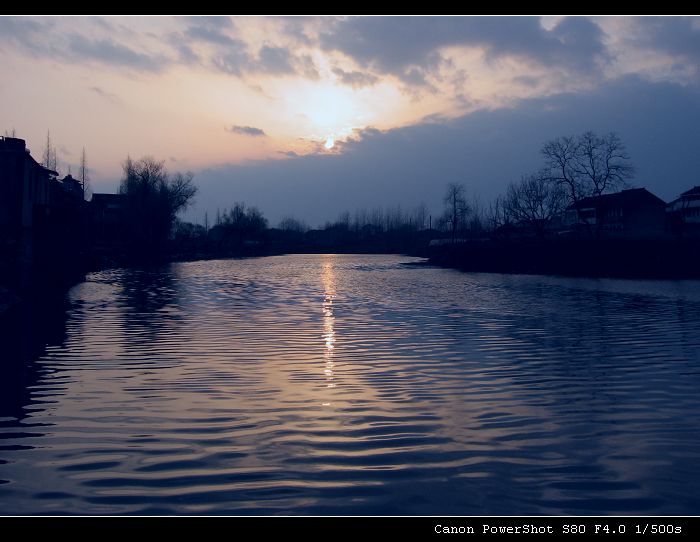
(320,384)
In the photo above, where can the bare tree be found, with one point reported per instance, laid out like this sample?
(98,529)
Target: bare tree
(377,219)
(587,165)
(456,208)
(50,156)
(83,176)
(534,201)
(53,163)
(497,215)
(46,159)
(291,224)
(420,216)
(477,214)
(343,221)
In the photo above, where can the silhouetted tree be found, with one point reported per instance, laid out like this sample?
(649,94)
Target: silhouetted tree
(291,224)
(153,200)
(587,165)
(534,201)
(50,156)
(187,235)
(420,216)
(238,226)
(497,215)
(376,219)
(83,173)
(456,208)
(476,221)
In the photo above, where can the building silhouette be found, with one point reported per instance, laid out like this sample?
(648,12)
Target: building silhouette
(632,213)
(25,186)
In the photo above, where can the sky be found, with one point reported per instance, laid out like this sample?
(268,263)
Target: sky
(311,116)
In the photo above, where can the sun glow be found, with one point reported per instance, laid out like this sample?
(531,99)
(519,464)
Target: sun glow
(330,143)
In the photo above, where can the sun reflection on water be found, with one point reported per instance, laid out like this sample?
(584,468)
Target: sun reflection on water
(328,278)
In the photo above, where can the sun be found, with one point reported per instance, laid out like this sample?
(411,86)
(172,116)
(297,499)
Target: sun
(330,143)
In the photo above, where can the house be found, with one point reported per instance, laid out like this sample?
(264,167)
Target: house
(25,192)
(684,213)
(73,188)
(635,212)
(107,212)
(67,214)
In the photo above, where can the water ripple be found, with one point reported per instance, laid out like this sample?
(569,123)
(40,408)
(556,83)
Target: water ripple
(360,385)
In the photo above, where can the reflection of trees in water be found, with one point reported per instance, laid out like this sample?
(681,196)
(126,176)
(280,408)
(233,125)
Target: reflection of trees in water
(150,300)
(148,289)
(24,335)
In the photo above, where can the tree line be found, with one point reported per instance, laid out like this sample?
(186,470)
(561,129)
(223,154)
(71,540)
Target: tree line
(573,168)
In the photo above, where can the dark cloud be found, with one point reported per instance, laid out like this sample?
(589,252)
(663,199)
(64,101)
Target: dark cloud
(38,37)
(211,21)
(233,60)
(305,66)
(109,96)
(275,60)
(677,36)
(415,77)
(526,80)
(246,131)
(296,28)
(109,52)
(407,46)
(25,32)
(231,55)
(208,33)
(484,150)
(186,55)
(355,79)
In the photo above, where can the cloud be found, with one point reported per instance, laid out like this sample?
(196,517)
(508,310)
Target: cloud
(305,66)
(43,38)
(204,30)
(185,54)
(676,36)
(355,79)
(109,96)
(211,21)
(230,54)
(422,53)
(296,28)
(246,131)
(108,51)
(526,80)
(25,32)
(409,47)
(485,150)
(233,60)
(275,60)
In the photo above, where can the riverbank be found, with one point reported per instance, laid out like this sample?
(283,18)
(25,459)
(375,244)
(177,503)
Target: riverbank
(647,259)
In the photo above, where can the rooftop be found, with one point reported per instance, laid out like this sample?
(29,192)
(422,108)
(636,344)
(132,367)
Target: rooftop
(631,196)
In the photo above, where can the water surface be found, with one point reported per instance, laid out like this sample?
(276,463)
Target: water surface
(329,384)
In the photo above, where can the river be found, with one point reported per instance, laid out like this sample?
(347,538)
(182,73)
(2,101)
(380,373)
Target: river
(353,384)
